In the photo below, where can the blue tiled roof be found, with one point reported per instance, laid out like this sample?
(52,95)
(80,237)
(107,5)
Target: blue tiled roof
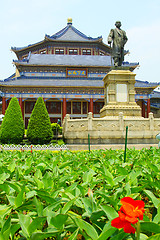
(53,81)
(155,94)
(144,84)
(70,60)
(70,33)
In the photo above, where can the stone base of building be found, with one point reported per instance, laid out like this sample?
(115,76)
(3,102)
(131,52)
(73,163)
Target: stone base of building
(115,110)
(111,130)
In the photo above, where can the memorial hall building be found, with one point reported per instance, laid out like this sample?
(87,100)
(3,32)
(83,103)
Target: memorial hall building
(67,70)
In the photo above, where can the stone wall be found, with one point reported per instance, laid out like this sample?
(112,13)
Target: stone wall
(111,130)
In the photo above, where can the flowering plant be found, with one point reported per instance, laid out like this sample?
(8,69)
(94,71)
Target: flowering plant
(130,213)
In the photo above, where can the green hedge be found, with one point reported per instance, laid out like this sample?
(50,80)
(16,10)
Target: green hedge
(56,128)
(12,128)
(39,128)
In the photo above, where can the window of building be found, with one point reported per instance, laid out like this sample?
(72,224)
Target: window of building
(53,107)
(59,51)
(86,52)
(73,51)
(29,106)
(84,107)
(68,107)
(97,106)
(76,107)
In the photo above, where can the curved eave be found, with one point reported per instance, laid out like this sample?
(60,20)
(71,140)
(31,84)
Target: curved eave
(27,47)
(68,66)
(63,86)
(146,87)
(59,40)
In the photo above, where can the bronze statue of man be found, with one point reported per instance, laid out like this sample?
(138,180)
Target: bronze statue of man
(119,38)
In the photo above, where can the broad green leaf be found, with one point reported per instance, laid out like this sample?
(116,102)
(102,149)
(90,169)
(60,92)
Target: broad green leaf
(120,236)
(157,217)
(3,177)
(154,237)
(4,210)
(14,185)
(40,184)
(109,211)
(5,188)
(155,200)
(14,229)
(39,206)
(108,233)
(38,174)
(24,221)
(88,228)
(30,194)
(143,236)
(59,220)
(67,206)
(150,227)
(74,235)
(43,235)
(119,179)
(6,228)
(87,176)
(20,198)
(36,224)
(12,166)
(51,208)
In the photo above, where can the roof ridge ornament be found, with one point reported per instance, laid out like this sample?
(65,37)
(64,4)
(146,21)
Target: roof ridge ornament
(69,21)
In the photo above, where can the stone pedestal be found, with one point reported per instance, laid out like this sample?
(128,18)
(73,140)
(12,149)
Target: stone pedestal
(120,94)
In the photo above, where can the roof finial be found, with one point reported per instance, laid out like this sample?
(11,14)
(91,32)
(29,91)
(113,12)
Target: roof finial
(69,21)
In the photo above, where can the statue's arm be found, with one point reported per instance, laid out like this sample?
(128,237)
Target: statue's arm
(125,37)
(110,36)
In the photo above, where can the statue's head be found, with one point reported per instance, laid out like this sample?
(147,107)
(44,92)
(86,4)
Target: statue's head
(118,24)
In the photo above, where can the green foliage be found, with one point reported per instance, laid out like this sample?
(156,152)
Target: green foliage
(56,128)
(44,193)
(12,128)
(39,128)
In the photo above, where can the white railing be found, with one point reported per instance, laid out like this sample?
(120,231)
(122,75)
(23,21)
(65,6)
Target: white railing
(34,147)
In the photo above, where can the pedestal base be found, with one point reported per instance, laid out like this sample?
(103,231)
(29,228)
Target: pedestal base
(114,110)
(120,94)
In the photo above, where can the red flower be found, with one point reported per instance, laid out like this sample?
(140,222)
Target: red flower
(129,213)
(132,208)
(119,223)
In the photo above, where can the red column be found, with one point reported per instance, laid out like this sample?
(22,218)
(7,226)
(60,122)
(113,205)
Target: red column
(148,107)
(64,108)
(91,105)
(143,109)
(3,105)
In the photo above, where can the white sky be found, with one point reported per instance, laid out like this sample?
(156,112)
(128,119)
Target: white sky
(24,22)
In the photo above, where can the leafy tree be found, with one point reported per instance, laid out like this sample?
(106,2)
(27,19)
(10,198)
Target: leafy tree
(12,128)
(39,127)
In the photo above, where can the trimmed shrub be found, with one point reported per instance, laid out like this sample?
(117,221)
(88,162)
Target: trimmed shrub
(39,129)
(12,128)
(56,128)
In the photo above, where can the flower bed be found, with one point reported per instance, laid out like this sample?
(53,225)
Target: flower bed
(76,195)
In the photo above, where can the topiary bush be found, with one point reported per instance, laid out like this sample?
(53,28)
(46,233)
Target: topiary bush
(56,128)
(39,129)
(12,128)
